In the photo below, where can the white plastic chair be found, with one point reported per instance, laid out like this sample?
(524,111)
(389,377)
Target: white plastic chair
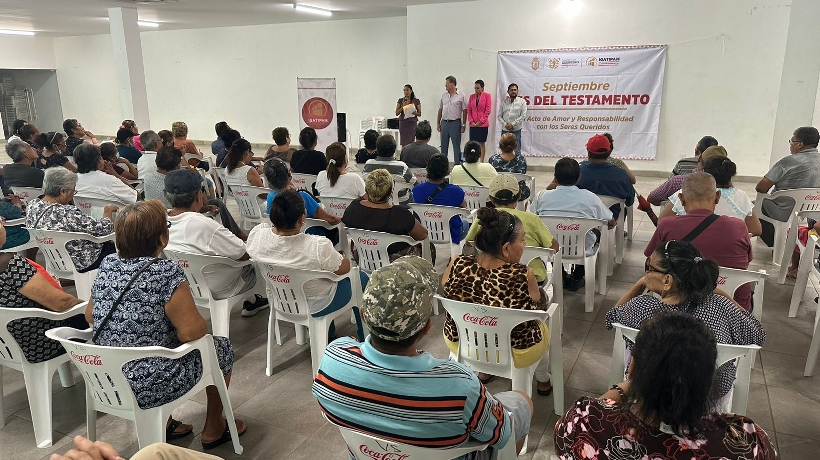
(304,182)
(335,205)
(615,238)
(52,244)
(94,206)
(530,181)
(27,193)
(571,234)
(420,173)
(554,278)
(806,199)
(37,376)
(402,191)
(363,446)
(251,210)
(372,249)
(289,303)
(725,353)
(344,239)
(807,266)
(475,196)
(791,238)
(484,343)
(20,249)
(436,219)
(107,390)
(220,310)
(732,278)
(223,184)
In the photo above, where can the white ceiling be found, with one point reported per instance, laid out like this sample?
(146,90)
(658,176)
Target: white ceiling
(85,17)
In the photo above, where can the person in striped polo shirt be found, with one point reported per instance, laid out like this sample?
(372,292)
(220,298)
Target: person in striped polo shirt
(385,387)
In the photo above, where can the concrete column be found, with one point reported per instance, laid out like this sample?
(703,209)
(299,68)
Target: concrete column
(799,80)
(125,37)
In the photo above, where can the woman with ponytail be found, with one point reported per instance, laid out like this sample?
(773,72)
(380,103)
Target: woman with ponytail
(239,171)
(335,181)
(665,409)
(678,278)
(52,155)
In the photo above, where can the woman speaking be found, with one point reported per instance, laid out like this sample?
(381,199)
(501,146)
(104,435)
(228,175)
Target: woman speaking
(408,109)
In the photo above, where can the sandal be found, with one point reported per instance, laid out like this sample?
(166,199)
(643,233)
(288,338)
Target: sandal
(226,437)
(485,380)
(541,392)
(792,274)
(172,433)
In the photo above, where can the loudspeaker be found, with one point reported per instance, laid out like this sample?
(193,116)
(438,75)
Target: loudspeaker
(341,124)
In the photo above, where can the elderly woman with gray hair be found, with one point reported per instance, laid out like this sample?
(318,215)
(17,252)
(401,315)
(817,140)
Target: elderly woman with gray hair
(20,173)
(54,211)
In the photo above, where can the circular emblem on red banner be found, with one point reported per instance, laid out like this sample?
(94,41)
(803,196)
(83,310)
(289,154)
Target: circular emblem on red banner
(317,113)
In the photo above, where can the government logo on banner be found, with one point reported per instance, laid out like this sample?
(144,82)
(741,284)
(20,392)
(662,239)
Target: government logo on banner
(572,94)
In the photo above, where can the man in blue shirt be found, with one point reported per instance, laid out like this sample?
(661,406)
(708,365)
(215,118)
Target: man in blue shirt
(602,178)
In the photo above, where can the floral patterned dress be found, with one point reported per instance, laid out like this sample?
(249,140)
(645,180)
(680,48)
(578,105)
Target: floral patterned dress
(604,430)
(517,165)
(140,321)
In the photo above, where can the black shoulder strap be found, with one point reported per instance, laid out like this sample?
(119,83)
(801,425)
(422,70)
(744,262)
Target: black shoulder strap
(119,299)
(471,176)
(700,228)
(438,190)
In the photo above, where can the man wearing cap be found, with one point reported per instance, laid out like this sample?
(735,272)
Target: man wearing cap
(193,232)
(125,147)
(387,388)
(504,194)
(673,184)
(726,239)
(602,178)
(567,200)
(512,113)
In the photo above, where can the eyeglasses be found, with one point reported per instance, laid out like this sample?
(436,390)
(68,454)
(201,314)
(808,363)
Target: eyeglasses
(649,268)
(794,142)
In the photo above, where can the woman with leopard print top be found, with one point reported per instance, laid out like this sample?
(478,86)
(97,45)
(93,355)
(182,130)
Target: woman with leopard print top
(495,277)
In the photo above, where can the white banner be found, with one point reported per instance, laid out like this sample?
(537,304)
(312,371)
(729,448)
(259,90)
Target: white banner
(573,94)
(317,108)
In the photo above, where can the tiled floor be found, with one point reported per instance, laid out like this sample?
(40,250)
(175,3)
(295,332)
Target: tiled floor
(284,421)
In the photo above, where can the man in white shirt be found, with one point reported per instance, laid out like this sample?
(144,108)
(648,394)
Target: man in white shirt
(94,182)
(512,114)
(452,118)
(150,142)
(193,232)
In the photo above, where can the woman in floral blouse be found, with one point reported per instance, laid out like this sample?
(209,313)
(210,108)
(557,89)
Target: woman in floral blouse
(663,411)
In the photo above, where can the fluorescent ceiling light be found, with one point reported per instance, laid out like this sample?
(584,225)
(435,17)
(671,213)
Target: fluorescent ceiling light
(312,9)
(16,32)
(147,24)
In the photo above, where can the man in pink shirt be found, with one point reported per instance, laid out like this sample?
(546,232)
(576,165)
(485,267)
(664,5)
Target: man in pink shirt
(725,239)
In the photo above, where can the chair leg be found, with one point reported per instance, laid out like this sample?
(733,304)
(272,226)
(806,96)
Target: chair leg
(273,334)
(522,379)
(301,332)
(220,317)
(150,426)
(66,376)
(779,244)
(557,370)
(814,348)
(38,386)
(785,258)
(318,341)
(2,404)
(803,272)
